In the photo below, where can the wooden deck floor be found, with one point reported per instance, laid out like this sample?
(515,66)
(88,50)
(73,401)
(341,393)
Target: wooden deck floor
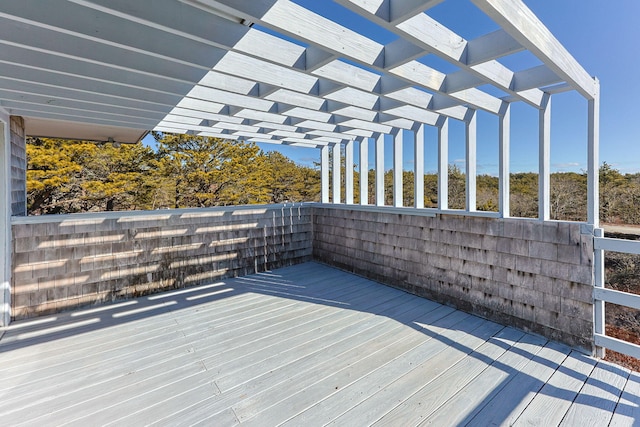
(301,346)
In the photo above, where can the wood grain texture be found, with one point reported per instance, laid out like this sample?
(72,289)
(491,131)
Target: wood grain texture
(302,345)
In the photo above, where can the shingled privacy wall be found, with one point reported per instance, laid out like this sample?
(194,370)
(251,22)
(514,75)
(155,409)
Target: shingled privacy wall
(18,167)
(62,262)
(526,273)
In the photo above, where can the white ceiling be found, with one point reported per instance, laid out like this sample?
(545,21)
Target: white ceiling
(263,70)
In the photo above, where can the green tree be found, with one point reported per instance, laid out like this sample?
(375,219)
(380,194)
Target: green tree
(487,193)
(568,196)
(457,188)
(524,194)
(431,190)
(79,176)
(612,185)
(287,182)
(211,171)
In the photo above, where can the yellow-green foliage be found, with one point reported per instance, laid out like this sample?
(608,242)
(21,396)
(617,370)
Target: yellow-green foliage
(186,171)
(193,171)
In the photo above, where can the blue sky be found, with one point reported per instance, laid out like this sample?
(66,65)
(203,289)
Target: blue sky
(603,36)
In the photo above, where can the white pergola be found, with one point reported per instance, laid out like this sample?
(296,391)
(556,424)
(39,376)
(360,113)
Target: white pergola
(276,71)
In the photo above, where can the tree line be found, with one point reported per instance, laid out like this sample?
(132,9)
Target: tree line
(185,171)
(193,171)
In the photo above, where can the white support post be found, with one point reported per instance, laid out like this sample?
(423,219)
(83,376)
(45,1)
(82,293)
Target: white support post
(470,166)
(598,282)
(5,221)
(418,161)
(348,172)
(397,168)
(324,173)
(336,174)
(443,163)
(544,162)
(364,171)
(593,161)
(380,170)
(504,174)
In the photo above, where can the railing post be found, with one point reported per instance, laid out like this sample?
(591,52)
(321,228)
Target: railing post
(324,173)
(364,171)
(380,170)
(398,145)
(348,172)
(336,197)
(598,282)
(593,159)
(544,174)
(470,161)
(5,222)
(504,172)
(443,163)
(418,149)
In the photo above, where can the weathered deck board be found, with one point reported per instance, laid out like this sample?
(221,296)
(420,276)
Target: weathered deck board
(303,345)
(507,405)
(552,402)
(599,396)
(628,410)
(476,394)
(411,400)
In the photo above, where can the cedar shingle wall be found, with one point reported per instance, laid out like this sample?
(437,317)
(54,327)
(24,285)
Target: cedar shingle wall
(18,167)
(86,259)
(526,273)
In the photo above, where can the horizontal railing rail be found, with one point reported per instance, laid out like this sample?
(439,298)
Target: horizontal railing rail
(602,295)
(159,213)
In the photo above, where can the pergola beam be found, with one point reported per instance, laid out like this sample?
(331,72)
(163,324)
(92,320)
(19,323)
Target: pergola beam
(232,62)
(428,34)
(291,19)
(522,24)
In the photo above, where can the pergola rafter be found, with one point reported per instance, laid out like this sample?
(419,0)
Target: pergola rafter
(295,77)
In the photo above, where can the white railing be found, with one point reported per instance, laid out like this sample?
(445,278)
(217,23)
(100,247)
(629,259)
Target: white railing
(602,295)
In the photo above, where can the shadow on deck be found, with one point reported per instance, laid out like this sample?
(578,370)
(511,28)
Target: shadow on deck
(303,345)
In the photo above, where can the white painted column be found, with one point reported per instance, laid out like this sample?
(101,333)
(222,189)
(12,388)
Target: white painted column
(380,170)
(364,171)
(398,142)
(5,220)
(593,208)
(443,163)
(418,161)
(471,159)
(348,172)
(324,173)
(504,173)
(544,162)
(336,173)
(593,159)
